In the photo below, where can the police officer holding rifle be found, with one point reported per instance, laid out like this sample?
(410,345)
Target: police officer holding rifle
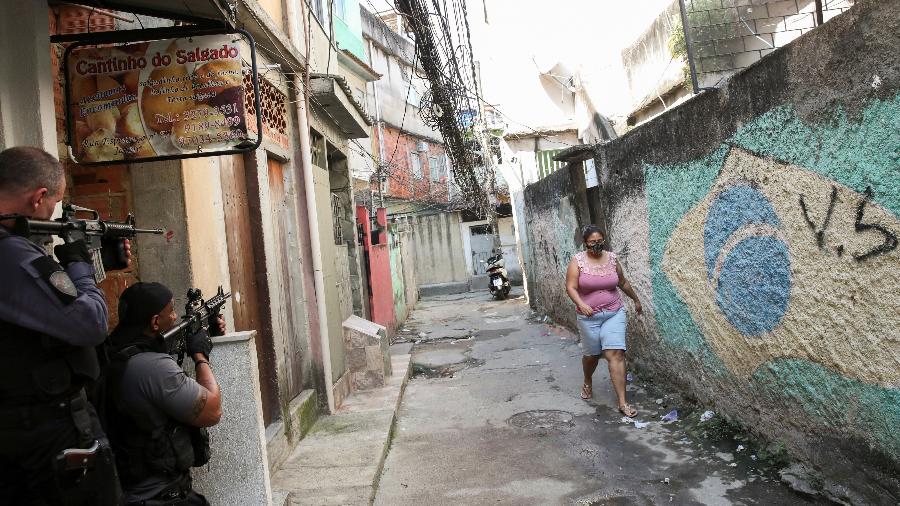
(155,414)
(52,316)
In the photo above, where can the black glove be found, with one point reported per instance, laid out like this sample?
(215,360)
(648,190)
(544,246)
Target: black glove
(76,251)
(113,254)
(199,343)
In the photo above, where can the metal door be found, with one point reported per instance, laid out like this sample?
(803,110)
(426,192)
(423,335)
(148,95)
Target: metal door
(482,244)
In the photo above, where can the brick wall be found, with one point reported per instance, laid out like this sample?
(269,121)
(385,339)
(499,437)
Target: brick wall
(734,34)
(105,189)
(402,183)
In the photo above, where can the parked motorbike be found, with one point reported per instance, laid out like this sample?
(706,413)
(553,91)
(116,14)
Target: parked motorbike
(498,279)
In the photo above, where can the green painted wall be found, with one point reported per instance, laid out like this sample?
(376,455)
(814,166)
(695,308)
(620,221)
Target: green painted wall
(759,222)
(348,29)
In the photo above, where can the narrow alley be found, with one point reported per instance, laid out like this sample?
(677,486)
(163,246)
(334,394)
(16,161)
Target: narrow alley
(492,415)
(345,252)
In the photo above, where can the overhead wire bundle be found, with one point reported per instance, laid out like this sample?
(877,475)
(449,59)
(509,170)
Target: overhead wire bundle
(443,46)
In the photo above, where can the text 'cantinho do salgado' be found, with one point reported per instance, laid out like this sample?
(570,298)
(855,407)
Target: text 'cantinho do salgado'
(182,56)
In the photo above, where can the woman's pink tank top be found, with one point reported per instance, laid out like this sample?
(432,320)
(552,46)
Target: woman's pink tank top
(598,284)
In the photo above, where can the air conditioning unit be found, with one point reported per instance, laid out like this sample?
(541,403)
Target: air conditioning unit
(422,147)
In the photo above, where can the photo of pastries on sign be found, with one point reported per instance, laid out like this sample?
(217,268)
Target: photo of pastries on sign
(152,99)
(219,115)
(196,103)
(166,94)
(103,90)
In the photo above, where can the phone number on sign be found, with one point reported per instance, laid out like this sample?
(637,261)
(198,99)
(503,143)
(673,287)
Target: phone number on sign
(213,124)
(218,137)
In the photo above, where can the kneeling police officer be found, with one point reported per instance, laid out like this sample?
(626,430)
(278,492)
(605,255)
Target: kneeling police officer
(52,315)
(155,412)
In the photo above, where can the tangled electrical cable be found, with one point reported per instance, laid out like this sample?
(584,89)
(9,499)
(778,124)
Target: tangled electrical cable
(448,106)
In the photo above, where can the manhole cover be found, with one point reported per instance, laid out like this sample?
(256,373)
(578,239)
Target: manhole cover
(542,419)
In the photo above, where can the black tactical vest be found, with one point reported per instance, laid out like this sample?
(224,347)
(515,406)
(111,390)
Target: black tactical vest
(36,368)
(170,450)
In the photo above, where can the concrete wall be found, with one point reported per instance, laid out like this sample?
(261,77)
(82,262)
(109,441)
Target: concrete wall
(759,225)
(437,242)
(398,280)
(508,246)
(392,56)
(410,275)
(26,95)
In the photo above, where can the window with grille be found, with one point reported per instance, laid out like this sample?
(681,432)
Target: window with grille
(409,84)
(415,165)
(337,213)
(546,164)
(436,166)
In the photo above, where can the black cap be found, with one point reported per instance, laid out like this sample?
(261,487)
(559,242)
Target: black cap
(142,301)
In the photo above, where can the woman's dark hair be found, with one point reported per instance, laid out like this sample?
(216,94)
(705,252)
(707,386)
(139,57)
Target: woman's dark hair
(589,231)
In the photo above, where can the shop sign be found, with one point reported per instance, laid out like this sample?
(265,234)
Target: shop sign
(161,99)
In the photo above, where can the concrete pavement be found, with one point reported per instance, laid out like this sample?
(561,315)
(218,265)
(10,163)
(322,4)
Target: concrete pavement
(493,416)
(339,461)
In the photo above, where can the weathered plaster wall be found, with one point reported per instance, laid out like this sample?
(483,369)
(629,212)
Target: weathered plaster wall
(410,274)
(398,282)
(437,242)
(553,227)
(759,225)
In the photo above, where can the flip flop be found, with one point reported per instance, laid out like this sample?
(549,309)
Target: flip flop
(587,391)
(627,410)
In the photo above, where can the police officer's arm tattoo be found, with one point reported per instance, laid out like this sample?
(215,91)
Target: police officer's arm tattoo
(199,404)
(207,409)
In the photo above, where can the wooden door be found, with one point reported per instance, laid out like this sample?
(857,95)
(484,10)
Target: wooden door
(246,266)
(284,229)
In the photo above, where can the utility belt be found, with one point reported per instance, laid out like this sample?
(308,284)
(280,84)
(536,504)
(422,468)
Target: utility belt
(172,495)
(84,473)
(73,404)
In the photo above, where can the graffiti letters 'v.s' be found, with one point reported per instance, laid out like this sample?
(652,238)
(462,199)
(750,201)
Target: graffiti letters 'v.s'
(785,259)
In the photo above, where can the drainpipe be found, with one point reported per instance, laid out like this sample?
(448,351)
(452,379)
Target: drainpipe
(380,125)
(689,45)
(308,188)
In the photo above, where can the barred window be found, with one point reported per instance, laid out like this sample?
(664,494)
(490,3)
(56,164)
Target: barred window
(337,214)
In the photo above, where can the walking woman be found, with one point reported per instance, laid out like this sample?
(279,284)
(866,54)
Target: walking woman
(592,282)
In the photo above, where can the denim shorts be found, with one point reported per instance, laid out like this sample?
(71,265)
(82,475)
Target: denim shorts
(604,330)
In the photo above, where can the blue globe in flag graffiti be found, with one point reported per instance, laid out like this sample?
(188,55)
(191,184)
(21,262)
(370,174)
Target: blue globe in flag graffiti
(746,260)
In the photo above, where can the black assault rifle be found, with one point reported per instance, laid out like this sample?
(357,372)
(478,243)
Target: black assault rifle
(94,232)
(198,314)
